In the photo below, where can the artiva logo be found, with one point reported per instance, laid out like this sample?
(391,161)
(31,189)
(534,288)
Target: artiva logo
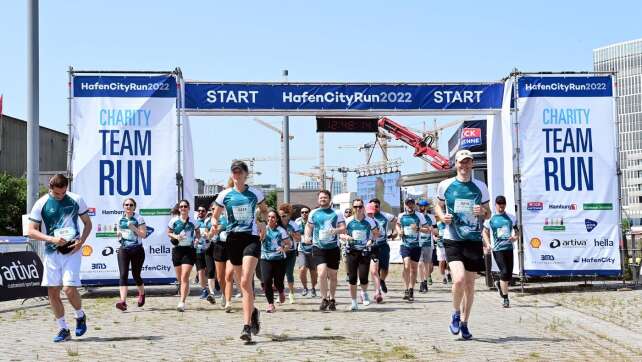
(536,243)
(18,272)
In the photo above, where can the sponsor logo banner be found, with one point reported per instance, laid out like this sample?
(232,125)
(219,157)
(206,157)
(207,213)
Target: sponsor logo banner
(20,276)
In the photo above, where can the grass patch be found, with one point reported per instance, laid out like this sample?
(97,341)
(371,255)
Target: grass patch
(97,328)
(327,328)
(534,354)
(279,337)
(396,353)
(71,352)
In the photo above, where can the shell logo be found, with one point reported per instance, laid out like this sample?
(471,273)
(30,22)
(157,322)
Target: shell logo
(87,250)
(536,243)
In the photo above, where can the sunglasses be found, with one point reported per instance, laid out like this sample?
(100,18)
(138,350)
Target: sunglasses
(357,206)
(183,207)
(305,212)
(128,205)
(202,210)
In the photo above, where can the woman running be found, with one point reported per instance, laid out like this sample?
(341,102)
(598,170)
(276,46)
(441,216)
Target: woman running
(244,247)
(360,231)
(182,229)
(224,270)
(285,214)
(131,232)
(275,246)
(204,258)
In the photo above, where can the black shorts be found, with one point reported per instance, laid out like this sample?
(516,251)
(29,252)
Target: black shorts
(220,252)
(504,260)
(471,253)
(240,245)
(382,253)
(183,255)
(413,253)
(330,257)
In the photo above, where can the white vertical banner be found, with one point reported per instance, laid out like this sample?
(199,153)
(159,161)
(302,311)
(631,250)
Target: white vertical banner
(569,185)
(189,182)
(124,135)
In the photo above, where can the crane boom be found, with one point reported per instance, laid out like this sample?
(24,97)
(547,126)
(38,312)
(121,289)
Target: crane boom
(421,145)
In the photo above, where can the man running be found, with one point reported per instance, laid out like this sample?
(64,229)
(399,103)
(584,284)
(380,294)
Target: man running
(58,212)
(463,205)
(304,260)
(381,249)
(410,224)
(425,241)
(503,229)
(324,224)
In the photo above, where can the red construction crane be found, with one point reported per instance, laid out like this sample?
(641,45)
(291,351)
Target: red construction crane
(422,145)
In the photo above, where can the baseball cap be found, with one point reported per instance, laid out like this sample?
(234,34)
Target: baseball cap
(409,200)
(422,202)
(462,155)
(239,165)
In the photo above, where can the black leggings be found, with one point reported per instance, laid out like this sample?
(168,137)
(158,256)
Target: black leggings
(357,263)
(272,271)
(504,260)
(136,256)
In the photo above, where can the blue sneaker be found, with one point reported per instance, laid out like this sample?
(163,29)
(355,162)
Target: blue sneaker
(81,325)
(454,323)
(62,336)
(465,333)
(204,293)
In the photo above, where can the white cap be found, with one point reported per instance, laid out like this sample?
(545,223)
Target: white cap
(462,155)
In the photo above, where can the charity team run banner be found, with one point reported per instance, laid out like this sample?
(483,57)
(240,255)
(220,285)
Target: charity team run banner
(569,181)
(124,145)
(317,98)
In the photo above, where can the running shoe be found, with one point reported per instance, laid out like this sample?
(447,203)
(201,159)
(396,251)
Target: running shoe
(121,305)
(81,325)
(246,335)
(378,298)
(333,305)
(271,308)
(204,293)
(291,297)
(423,287)
(450,279)
(228,307)
(324,304)
(406,295)
(499,288)
(430,280)
(411,295)
(281,297)
(354,307)
(445,281)
(141,300)
(305,292)
(506,303)
(465,333)
(211,298)
(454,323)
(314,293)
(256,322)
(62,336)
(384,288)
(365,299)
(180,307)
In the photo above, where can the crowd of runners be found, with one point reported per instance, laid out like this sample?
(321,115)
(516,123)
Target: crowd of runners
(239,237)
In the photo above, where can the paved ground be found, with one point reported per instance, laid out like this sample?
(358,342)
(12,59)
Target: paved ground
(543,324)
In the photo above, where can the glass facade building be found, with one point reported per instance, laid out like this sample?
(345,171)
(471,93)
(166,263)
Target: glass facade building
(626,60)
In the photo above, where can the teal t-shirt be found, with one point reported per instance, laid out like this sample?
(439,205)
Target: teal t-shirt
(410,237)
(204,227)
(274,238)
(129,239)
(59,217)
(501,228)
(425,239)
(222,235)
(460,198)
(384,221)
(325,219)
(241,208)
(440,229)
(360,231)
(183,227)
(303,247)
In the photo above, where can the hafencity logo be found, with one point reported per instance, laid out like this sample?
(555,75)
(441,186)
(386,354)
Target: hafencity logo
(594,260)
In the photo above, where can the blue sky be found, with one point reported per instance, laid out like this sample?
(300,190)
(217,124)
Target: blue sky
(317,41)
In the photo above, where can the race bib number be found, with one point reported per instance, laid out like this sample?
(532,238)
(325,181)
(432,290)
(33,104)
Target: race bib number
(359,235)
(424,236)
(242,213)
(222,236)
(325,235)
(68,233)
(127,234)
(441,233)
(409,231)
(203,232)
(188,240)
(464,206)
(503,232)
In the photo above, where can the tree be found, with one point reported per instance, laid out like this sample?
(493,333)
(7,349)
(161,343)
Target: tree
(13,193)
(270,199)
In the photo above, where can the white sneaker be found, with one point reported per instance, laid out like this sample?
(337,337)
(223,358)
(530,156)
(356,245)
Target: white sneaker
(291,297)
(354,307)
(365,299)
(180,307)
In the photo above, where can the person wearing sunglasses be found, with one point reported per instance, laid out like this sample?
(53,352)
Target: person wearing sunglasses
(204,257)
(285,211)
(181,228)
(131,232)
(274,248)
(360,231)
(410,224)
(244,247)
(381,249)
(224,269)
(305,260)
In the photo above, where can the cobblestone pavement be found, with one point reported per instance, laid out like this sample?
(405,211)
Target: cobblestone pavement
(540,325)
